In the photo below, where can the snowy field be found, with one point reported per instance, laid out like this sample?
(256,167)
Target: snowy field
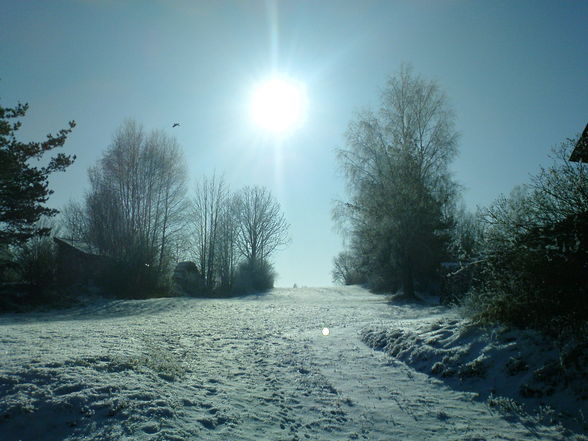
(256,368)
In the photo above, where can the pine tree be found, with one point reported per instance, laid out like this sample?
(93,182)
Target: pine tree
(24,188)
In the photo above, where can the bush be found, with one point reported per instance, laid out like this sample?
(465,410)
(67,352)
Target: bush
(536,252)
(135,276)
(28,279)
(538,282)
(253,276)
(131,280)
(36,262)
(187,280)
(8,268)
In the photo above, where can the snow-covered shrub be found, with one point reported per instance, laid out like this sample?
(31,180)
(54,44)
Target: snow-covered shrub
(457,279)
(31,278)
(474,368)
(506,405)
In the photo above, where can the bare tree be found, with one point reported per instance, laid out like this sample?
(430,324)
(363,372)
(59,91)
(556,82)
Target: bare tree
(138,192)
(345,269)
(561,189)
(168,204)
(226,253)
(467,235)
(261,226)
(558,192)
(396,165)
(209,215)
(73,221)
(106,227)
(136,207)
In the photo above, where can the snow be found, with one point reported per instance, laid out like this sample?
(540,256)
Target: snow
(254,368)
(518,372)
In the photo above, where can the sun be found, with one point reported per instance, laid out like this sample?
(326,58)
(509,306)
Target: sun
(278,104)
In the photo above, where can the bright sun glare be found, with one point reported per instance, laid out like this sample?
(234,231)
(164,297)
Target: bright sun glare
(278,104)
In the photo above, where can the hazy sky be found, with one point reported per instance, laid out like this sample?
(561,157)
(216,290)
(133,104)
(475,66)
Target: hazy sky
(516,73)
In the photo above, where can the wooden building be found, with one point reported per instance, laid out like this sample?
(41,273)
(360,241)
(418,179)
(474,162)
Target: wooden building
(580,153)
(77,263)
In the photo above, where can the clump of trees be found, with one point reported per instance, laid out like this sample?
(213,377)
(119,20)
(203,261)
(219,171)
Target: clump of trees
(135,209)
(139,214)
(235,235)
(213,234)
(535,251)
(261,230)
(399,214)
(521,261)
(26,255)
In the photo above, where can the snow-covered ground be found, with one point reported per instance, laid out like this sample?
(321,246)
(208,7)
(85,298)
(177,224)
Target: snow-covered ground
(255,368)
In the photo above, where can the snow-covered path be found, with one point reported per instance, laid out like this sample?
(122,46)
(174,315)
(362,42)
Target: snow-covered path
(255,368)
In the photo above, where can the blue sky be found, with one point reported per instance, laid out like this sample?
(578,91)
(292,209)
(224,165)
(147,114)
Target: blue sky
(516,74)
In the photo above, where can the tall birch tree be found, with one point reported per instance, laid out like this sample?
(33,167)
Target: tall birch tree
(401,194)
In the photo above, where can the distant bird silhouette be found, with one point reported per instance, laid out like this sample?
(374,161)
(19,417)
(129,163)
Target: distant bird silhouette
(176,125)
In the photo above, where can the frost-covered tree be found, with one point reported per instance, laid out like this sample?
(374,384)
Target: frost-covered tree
(137,197)
(401,192)
(346,270)
(136,208)
(467,235)
(235,235)
(227,254)
(211,229)
(261,225)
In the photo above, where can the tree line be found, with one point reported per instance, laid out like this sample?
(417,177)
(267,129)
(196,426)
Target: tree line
(521,260)
(138,212)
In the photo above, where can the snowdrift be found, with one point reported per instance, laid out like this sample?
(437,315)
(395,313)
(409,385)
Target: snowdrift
(518,372)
